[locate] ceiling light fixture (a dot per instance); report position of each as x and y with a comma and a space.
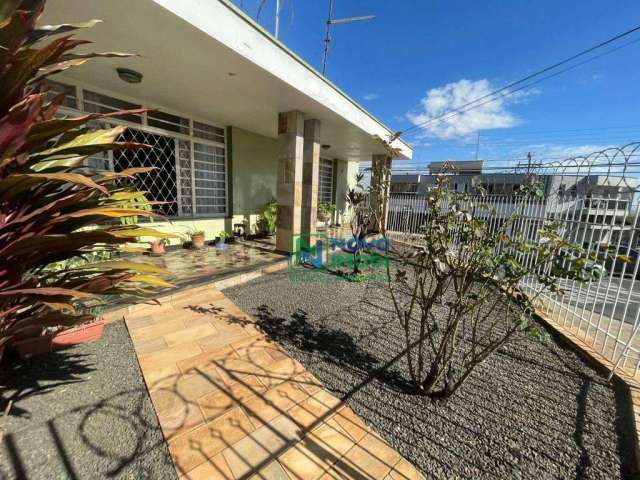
129, 76
326, 146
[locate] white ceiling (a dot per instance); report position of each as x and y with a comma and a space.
188, 71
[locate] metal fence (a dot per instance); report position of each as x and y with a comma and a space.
595, 200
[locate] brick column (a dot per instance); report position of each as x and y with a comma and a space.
380, 186
289, 188
310, 168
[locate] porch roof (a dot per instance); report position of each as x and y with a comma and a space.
208, 59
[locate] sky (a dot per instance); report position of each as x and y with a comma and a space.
420, 58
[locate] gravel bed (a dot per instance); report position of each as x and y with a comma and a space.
533, 410
83, 413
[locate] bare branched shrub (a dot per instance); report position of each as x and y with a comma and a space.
455, 291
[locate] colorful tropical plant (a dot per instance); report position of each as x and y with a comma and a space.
53, 209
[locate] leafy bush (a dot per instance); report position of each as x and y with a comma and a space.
325, 210
456, 292
269, 217
53, 210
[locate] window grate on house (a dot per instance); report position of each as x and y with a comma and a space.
69, 91
325, 181
160, 184
210, 178
190, 175
186, 192
208, 132
98, 103
166, 121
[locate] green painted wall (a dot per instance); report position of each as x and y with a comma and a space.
255, 161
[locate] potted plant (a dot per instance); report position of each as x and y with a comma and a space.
325, 211
269, 217
220, 239
158, 246
53, 340
197, 239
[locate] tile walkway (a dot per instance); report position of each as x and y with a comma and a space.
233, 404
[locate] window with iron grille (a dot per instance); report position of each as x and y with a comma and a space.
190, 176
69, 91
210, 178
98, 103
166, 121
208, 132
160, 184
325, 181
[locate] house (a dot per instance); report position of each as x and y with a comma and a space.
238, 119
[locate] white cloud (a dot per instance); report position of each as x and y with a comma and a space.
490, 115
371, 96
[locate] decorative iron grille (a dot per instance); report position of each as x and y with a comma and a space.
159, 184
325, 181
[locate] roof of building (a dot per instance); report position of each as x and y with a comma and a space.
208, 59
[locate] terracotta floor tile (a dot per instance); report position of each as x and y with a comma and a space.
215, 468
403, 470
151, 345
306, 460
218, 403
273, 471
327, 399
232, 369
180, 418
158, 329
206, 359
310, 383
252, 452
192, 448
379, 449
190, 334
281, 371
168, 356
139, 321
220, 340
358, 463
158, 376
351, 423
247, 345
201, 382
164, 399
332, 437
265, 407
309, 413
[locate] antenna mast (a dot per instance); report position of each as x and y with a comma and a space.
330, 22
277, 18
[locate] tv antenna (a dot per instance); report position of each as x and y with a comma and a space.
331, 21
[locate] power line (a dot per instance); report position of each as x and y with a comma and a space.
529, 77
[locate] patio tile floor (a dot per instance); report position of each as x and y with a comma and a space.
232, 404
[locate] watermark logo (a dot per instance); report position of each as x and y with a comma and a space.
319, 259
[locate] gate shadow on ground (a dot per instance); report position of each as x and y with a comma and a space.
335, 343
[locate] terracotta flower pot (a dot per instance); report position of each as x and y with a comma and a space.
197, 241
57, 341
157, 248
